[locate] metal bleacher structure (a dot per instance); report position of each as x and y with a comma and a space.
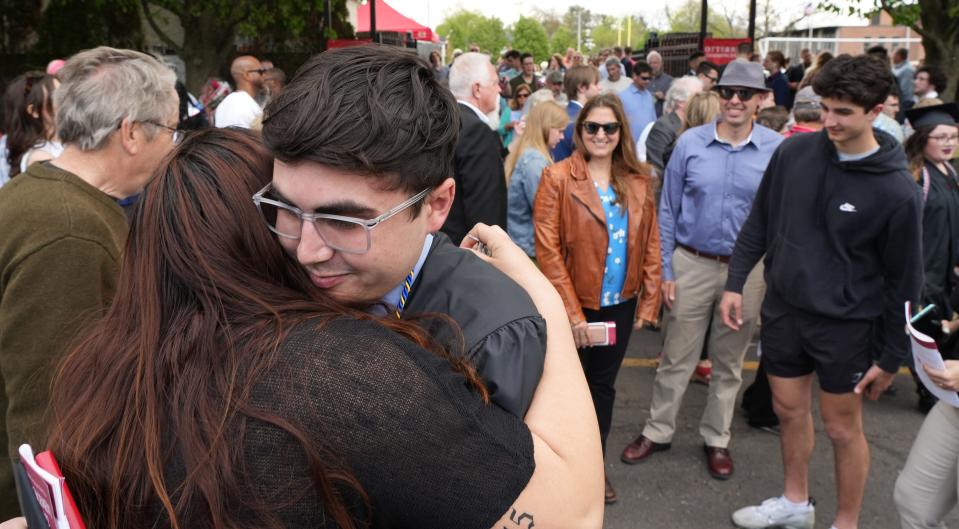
675, 49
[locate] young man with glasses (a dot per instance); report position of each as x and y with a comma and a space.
240, 109
708, 189
638, 101
364, 140
528, 75
838, 218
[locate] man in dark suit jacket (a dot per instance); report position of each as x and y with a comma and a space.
478, 161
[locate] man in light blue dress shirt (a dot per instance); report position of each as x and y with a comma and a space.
708, 190
638, 101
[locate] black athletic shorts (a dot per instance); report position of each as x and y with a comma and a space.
795, 343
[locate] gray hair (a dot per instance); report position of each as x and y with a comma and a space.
469, 68
613, 61
807, 114
103, 86
653, 53
681, 90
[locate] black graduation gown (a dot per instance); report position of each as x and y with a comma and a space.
940, 239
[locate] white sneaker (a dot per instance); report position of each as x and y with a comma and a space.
775, 512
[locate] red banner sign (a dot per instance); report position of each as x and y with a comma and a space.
721, 51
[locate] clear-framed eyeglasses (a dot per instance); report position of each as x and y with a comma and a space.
341, 233
176, 134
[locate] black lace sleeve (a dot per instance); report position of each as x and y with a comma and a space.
425, 448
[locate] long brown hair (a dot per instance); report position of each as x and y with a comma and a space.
625, 163
205, 298
28, 111
915, 146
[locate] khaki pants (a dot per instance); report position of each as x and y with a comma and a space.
926, 489
699, 288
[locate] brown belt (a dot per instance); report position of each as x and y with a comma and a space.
721, 258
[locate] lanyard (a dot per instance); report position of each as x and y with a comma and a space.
404, 294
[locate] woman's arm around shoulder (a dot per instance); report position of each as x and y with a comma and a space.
565, 490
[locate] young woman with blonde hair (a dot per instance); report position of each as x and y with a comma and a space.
544, 129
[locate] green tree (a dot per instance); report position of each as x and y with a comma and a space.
18, 19
685, 19
937, 21
529, 35
463, 27
547, 18
562, 39
608, 31
68, 26
210, 28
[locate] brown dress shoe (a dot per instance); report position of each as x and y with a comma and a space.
611, 496
718, 462
640, 449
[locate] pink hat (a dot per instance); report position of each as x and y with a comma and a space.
54, 66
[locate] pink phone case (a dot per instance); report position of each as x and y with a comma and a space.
602, 333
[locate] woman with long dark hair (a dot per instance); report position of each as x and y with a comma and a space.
30, 127
597, 241
223, 390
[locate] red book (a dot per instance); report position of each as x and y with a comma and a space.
46, 461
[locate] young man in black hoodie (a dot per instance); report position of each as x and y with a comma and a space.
838, 218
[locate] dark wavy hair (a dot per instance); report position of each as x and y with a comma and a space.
370, 110
914, 146
625, 163
862, 80
30, 93
205, 298
937, 77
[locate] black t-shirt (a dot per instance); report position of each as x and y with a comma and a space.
424, 447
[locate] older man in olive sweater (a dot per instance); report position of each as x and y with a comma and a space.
64, 230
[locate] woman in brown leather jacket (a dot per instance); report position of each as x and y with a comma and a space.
597, 241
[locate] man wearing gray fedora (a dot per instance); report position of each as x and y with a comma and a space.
708, 190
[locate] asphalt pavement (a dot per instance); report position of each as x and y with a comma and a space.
672, 490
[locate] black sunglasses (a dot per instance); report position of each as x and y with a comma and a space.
609, 128
744, 94
645, 77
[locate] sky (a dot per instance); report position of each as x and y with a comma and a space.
432, 12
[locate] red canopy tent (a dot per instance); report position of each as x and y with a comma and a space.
389, 19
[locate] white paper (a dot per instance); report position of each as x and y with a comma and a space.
55, 482
925, 352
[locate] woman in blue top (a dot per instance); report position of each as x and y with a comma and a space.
512, 113
524, 165
597, 240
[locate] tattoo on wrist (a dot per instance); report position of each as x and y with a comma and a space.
521, 520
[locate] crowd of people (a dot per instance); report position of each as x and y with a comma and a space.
397, 292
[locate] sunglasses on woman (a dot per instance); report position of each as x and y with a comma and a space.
592, 127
